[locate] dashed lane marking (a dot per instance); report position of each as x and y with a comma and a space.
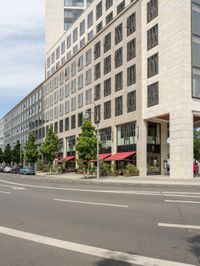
4, 192
90, 250
183, 226
183, 201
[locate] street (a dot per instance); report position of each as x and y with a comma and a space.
47, 223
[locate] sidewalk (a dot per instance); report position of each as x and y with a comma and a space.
151, 180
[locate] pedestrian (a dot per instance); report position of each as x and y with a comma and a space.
195, 168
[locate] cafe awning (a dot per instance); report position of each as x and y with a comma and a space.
120, 156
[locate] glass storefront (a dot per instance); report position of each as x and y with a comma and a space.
153, 149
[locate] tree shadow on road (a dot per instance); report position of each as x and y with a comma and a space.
195, 246
110, 262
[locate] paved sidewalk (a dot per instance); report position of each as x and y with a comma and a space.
157, 180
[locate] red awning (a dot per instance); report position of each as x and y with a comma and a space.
102, 156
69, 158
120, 156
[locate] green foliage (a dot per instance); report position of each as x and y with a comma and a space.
7, 156
1, 156
197, 145
131, 169
50, 146
87, 142
40, 165
16, 153
30, 150
105, 168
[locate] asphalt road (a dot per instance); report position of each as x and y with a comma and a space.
48, 223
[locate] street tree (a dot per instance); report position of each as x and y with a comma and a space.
7, 155
30, 150
16, 153
50, 146
197, 145
87, 143
1, 155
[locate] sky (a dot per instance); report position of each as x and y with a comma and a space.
21, 50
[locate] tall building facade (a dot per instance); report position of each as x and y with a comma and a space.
133, 66
60, 15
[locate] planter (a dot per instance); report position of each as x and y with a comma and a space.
131, 174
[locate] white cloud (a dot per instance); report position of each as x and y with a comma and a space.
22, 49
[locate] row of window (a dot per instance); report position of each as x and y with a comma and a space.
130, 104
131, 26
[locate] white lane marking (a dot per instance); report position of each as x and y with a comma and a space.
92, 203
4, 192
179, 192
18, 188
129, 192
89, 250
181, 196
183, 201
184, 226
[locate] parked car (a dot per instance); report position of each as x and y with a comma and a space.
27, 170
7, 169
15, 169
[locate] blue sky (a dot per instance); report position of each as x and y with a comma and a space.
22, 50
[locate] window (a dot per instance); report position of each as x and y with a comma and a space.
153, 94
107, 87
118, 34
152, 65
98, 10
90, 19
107, 64
131, 50
80, 63
67, 107
82, 42
107, 42
73, 69
56, 127
82, 27
66, 73
152, 37
67, 90
80, 100
196, 83
126, 136
53, 57
69, 41
73, 121
88, 57
118, 57
80, 119
67, 124
196, 51
131, 77
119, 81
73, 104
88, 96
57, 52
97, 114
97, 92
97, 71
152, 10
196, 19
97, 50
75, 35
63, 47
130, 24
109, 3
73, 86
118, 106
109, 17
99, 27
61, 126
90, 35
131, 101
107, 110
75, 48
121, 7
80, 82
88, 76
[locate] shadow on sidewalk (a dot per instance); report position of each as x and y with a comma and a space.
110, 262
